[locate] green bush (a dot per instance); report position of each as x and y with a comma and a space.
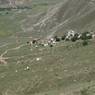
83, 92
63, 37
86, 35
57, 39
85, 43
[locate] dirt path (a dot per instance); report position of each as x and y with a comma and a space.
3, 59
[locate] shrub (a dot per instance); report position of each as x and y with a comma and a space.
57, 39
89, 37
83, 37
51, 45
34, 41
86, 35
84, 92
85, 43
63, 37
73, 39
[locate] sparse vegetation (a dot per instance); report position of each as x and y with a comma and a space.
57, 39
84, 91
59, 67
85, 43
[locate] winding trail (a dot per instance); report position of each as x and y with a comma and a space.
3, 59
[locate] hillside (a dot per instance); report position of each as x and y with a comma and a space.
67, 68
77, 15
57, 18
48, 18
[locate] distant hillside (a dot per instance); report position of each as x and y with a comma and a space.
14, 3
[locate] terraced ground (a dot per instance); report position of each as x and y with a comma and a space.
68, 68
